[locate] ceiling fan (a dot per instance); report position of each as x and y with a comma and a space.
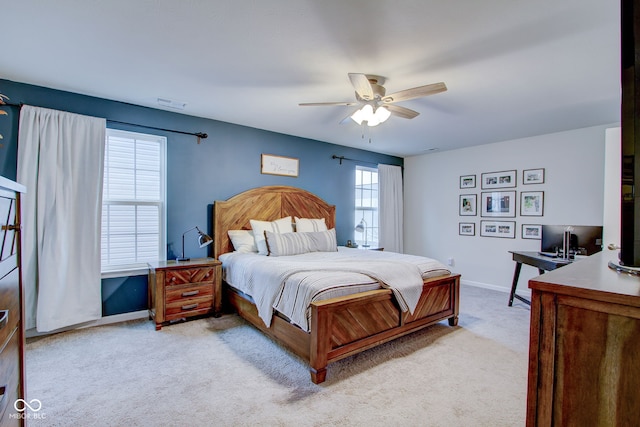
376, 106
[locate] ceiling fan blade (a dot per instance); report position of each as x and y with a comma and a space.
324, 104
403, 112
415, 92
362, 85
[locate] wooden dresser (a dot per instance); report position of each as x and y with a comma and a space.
12, 338
584, 352
181, 289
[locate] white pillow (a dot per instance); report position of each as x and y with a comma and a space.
310, 224
242, 241
301, 243
282, 225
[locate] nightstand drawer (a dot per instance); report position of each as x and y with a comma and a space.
188, 275
188, 307
185, 292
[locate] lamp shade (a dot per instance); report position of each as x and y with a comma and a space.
204, 239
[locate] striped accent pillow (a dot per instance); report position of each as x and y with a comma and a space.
310, 224
301, 243
282, 225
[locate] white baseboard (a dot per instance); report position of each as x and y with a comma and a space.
107, 320
522, 292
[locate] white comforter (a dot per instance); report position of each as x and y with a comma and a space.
290, 283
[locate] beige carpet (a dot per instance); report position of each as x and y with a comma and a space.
224, 372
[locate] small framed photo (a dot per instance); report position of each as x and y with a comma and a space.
531, 231
468, 181
531, 203
467, 229
468, 205
503, 179
504, 229
499, 204
533, 176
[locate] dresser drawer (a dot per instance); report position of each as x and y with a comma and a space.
7, 221
186, 292
189, 275
9, 303
9, 377
188, 307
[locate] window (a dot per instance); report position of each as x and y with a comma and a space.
133, 200
367, 205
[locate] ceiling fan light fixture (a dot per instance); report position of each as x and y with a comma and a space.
382, 114
373, 118
358, 116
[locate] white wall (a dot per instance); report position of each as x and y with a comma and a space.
573, 195
612, 171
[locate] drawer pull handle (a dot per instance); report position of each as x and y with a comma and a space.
189, 306
4, 316
190, 293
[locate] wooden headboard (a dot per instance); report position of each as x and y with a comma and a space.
266, 204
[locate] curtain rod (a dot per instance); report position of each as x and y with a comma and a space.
199, 135
341, 158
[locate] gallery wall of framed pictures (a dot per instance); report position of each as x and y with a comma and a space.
498, 203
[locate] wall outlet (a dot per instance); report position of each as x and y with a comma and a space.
451, 261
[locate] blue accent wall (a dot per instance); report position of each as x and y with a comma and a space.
224, 164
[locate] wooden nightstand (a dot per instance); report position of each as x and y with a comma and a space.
181, 289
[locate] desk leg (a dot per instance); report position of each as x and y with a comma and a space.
516, 276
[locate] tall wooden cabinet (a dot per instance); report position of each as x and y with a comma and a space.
584, 351
12, 368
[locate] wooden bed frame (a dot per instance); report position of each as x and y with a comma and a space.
340, 327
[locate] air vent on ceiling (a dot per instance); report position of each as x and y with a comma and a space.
171, 104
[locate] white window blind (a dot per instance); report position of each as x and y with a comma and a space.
367, 205
133, 200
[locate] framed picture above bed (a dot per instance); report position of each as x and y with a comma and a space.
504, 229
504, 179
498, 204
278, 165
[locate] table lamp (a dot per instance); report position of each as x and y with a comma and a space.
203, 240
362, 228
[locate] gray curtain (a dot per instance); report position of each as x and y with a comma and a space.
390, 208
61, 162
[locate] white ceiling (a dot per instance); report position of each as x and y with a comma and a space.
514, 68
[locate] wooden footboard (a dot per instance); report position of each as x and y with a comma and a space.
341, 327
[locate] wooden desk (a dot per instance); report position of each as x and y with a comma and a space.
534, 259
